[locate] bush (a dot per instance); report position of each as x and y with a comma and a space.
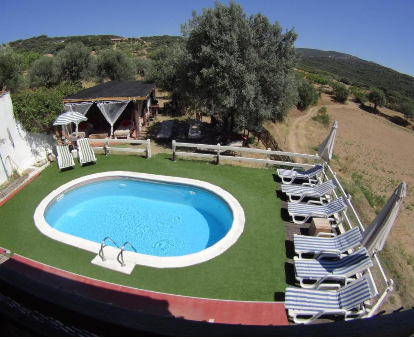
322, 110
37, 109
43, 72
341, 92
322, 118
307, 94
359, 95
407, 109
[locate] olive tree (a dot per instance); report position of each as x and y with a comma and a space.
115, 65
11, 69
341, 92
240, 67
43, 72
377, 97
74, 62
307, 94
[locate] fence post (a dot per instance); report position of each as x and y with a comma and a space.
106, 145
268, 157
148, 148
218, 154
173, 150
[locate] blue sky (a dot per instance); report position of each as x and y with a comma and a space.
376, 30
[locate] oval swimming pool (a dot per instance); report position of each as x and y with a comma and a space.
170, 221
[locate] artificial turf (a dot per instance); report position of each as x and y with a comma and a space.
251, 270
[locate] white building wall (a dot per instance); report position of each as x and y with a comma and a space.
18, 148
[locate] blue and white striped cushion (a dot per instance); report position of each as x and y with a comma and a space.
326, 210
86, 154
345, 298
301, 174
342, 243
348, 266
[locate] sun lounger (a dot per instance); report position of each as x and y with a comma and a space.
307, 305
194, 132
288, 176
307, 211
297, 193
64, 157
86, 154
320, 274
321, 247
166, 129
124, 129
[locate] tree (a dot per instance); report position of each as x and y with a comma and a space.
74, 62
142, 65
240, 67
43, 72
341, 92
11, 69
115, 65
307, 94
377, 97
37, 109
407, 109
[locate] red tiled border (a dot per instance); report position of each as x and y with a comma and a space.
14, 192
197, 309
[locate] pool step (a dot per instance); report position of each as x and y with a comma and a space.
111, 255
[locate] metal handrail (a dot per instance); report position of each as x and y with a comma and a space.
101, 253
121, 253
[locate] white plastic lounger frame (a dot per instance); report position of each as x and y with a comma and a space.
311, 304
307, 211
64, 157
86, 154
288, 176
338, 272
297, 193
321, 247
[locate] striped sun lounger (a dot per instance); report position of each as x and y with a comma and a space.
317, 272
86, 154
307, 211
327, 247
288, 176
311, 304
297, 193
64, 157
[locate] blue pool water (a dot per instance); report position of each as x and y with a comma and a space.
156, 218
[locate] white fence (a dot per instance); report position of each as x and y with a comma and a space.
217, 154
106, 148
351, 217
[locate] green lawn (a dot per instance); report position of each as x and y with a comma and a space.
251, 270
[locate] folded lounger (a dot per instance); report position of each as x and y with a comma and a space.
297, 193
124, 129
311, 304
307, 211
317, 272
327, 247
288, 176
166, 129
86, 154
64, 157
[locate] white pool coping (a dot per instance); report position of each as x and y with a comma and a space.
141, 259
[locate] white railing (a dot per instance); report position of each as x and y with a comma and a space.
219, 149
328, 173
106, 148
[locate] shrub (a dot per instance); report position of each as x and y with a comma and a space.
341, 92
322, 110
43, 72
407, 109
322, 118
307, 94
11, 69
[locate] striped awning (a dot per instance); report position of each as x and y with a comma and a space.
69, 117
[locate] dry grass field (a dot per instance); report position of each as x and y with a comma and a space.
371, 156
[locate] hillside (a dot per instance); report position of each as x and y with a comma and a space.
356, 71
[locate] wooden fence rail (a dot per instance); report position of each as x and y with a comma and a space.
107, 145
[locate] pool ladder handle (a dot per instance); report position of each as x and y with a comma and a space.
101, 252
121, 253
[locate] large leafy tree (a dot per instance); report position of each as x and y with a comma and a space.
74, 62
11, 69
115, 65
240, 67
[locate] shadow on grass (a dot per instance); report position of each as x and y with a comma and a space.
290, 273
